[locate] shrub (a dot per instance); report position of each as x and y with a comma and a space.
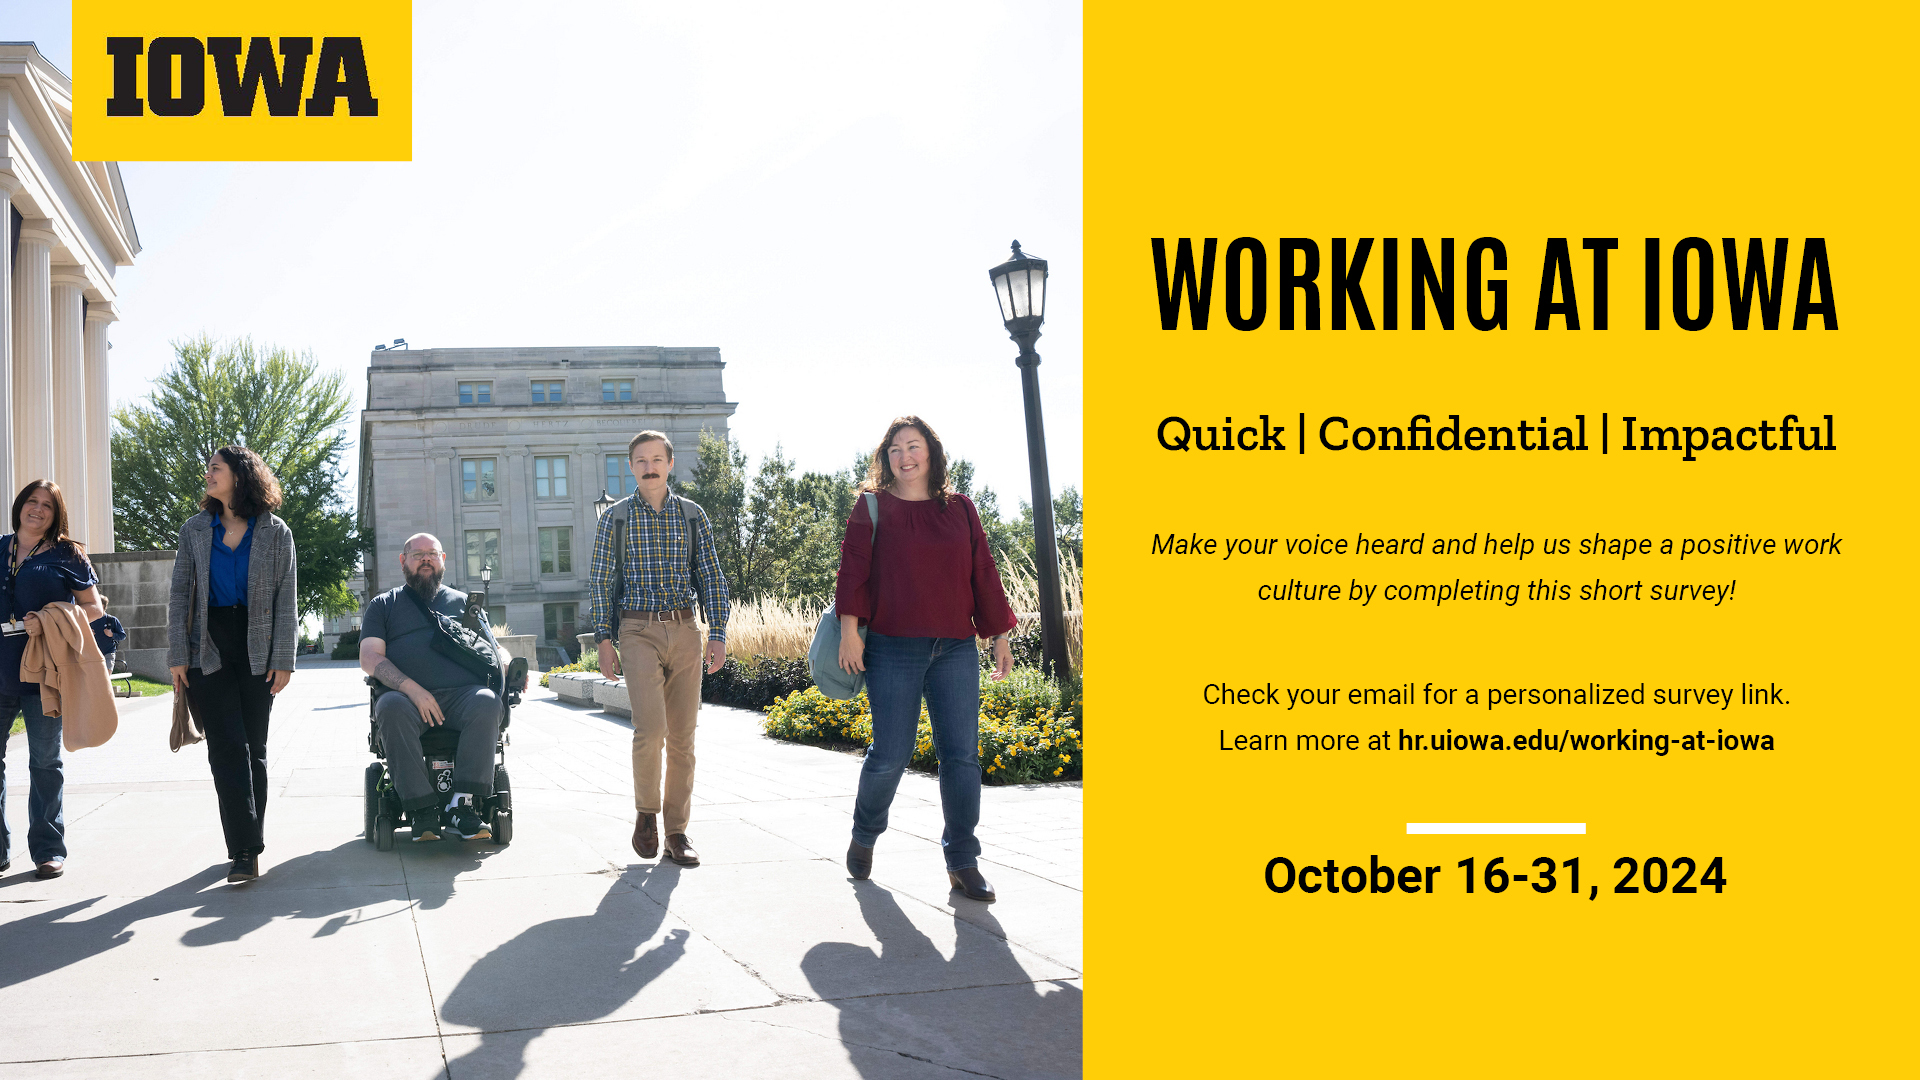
756, 682
1025, 732
349, 646
589, 661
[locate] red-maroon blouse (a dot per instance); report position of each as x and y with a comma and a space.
930, 574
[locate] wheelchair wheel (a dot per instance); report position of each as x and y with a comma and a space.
383, 833
502, 793
503, 828
374, 773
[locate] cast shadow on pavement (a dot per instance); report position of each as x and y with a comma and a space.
50, 940
1001, 1017
565, 971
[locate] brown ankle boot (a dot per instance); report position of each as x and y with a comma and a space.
646, 836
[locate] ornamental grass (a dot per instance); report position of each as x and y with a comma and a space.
1026, 734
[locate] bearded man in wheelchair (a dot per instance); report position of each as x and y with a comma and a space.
427, 681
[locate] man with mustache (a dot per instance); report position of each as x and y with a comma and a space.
396, 647
643, 595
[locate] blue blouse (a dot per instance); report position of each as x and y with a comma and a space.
227, 570
51, 576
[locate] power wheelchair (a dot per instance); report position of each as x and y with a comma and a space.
383, 811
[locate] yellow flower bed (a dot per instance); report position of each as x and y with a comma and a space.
1024, 735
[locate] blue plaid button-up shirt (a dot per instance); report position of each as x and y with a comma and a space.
668, 558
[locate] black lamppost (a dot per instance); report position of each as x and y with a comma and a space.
1020, 283
603, 504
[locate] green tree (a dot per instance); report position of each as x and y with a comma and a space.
267, 398
1003, 537
719, 484
1067, 529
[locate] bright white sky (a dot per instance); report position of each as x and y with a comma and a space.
817, 193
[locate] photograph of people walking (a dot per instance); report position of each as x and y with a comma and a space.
391, 506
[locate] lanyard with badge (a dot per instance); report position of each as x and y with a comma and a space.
13, 627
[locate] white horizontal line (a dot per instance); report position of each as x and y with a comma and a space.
1496, 828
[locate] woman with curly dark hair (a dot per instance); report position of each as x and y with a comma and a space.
924, 585
231, 630
43, 566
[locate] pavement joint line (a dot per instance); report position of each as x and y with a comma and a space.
870, 1046
426, 973
103, 805
216, 1050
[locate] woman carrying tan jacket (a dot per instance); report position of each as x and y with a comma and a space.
43, 566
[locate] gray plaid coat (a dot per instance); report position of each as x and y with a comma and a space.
272, 621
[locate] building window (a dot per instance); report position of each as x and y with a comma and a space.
620, 476
561, 619
550, 477
548, 393
476, 393
616, 390
556, 550
497, 619
476, 480
483, 550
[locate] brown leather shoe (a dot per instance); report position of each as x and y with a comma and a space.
52, 868
646, 836
681, 851
970, 882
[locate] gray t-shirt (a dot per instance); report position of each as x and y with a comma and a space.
396, 620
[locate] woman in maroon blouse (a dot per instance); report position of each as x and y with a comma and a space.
924, 589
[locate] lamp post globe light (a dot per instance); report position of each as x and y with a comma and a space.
1020, 284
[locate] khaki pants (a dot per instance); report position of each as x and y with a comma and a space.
661, 662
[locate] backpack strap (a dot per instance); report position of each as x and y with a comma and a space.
873, 518
622, 508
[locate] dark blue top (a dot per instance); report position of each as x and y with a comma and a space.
47, 578
227, 570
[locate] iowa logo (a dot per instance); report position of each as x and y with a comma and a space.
176, 76
233, 80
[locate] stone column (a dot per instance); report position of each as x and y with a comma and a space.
33, 354
99, 430
8, 185
70, 398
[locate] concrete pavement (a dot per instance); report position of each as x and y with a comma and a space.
561, 954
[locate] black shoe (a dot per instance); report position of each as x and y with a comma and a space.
464, 822
859, 860
245, 868
426, 825
970, 882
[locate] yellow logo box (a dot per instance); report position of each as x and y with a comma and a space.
216, 80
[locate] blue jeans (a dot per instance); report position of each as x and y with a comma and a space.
46, 814
947, 671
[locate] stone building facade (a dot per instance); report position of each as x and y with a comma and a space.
503, 453
67, 231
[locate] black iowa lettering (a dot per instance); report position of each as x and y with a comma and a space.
176, 82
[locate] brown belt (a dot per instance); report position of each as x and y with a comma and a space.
657, 616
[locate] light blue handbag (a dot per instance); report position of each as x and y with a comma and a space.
823, 656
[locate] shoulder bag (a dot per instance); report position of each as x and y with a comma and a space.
823, 656
465, 647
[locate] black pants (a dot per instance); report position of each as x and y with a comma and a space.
234, 704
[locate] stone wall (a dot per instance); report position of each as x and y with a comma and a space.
136, 585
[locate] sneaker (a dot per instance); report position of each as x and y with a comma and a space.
464, 822
245, 868
426, 825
